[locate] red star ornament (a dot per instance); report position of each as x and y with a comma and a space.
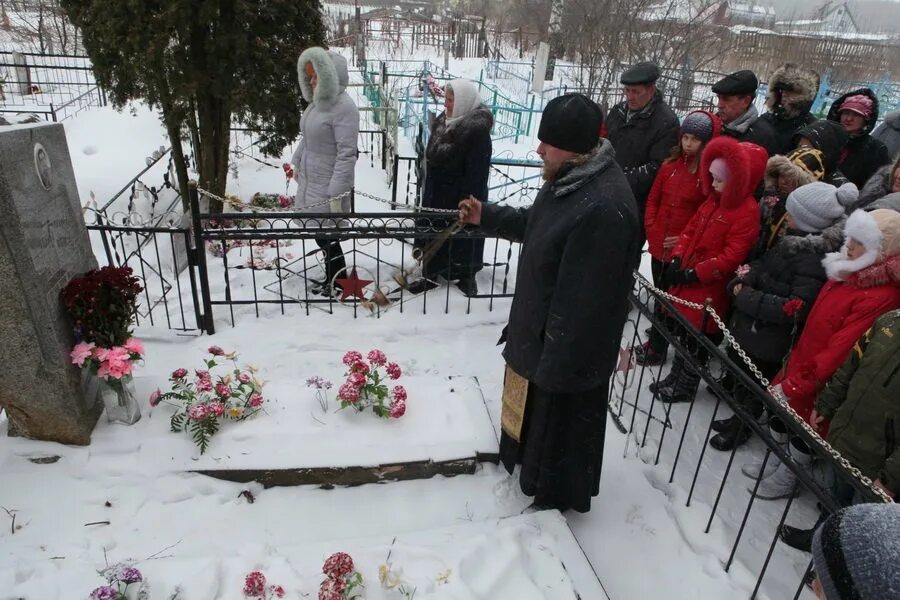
352, 286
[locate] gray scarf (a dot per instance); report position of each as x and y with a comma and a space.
743, 122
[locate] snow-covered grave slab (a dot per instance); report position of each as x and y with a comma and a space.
446, 430
530, 557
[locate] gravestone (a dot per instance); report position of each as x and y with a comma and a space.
43, 245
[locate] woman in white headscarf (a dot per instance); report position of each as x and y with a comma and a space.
458, 160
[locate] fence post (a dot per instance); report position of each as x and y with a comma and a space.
199, 253
396, 168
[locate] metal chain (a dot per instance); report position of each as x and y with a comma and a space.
774, 391
238, 204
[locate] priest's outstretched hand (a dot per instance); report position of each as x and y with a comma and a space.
470, 211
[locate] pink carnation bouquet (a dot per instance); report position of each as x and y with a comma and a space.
206, 398
367, 385
109, 364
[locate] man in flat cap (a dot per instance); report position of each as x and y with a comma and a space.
642, 129
580, 247
740, 119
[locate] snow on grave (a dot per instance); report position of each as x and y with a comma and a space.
446, 430
530, 557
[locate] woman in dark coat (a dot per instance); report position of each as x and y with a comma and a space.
773, 298
857, 112
458, 161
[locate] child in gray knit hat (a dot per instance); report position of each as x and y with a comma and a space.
855, 554
816, 206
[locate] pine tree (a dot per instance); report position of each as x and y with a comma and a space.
204, 64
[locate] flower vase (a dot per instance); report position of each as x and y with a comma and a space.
120, 400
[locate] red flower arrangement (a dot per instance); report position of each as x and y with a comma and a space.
101, 304
792, 307
255, 587
365, 386
342, 580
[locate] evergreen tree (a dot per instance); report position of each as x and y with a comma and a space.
204, 64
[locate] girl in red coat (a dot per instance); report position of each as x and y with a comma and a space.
674, 198
863, 283
715, 242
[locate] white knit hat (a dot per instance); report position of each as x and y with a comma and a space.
816, 206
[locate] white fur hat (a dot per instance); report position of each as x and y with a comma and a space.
878, 231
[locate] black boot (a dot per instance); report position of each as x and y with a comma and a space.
800, 539
670, 396
730, 438
468, 286
422, 285
724, 424
664, 385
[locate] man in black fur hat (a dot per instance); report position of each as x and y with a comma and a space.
580, 247
792, 90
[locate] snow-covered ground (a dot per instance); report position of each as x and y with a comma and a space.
119, 499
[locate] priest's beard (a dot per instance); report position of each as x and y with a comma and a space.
550, 171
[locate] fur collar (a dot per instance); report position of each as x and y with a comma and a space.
584, 168
447, 143
331, 71
829, 240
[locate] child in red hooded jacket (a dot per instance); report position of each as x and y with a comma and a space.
863, 283
715, 242
674, 198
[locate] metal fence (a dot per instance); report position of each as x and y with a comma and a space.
53, 86
265, 258
674, 438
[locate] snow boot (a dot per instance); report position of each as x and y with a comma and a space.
799, 539
420, 286
724, 424
468, 286
730, 438
783, 482
752, 469
647, 356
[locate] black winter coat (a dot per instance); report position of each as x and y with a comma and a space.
863, 157
642, 143
760, 132
458, 160
785, 128
863, 154
791, 269
580, 247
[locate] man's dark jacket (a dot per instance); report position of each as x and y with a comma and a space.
642, 143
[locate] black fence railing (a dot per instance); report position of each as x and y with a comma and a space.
676, 437
264, 258
158, 256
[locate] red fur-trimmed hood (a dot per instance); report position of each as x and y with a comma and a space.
746, 168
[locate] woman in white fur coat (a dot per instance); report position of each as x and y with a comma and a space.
325, 161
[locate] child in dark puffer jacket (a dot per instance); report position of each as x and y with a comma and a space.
772, 298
